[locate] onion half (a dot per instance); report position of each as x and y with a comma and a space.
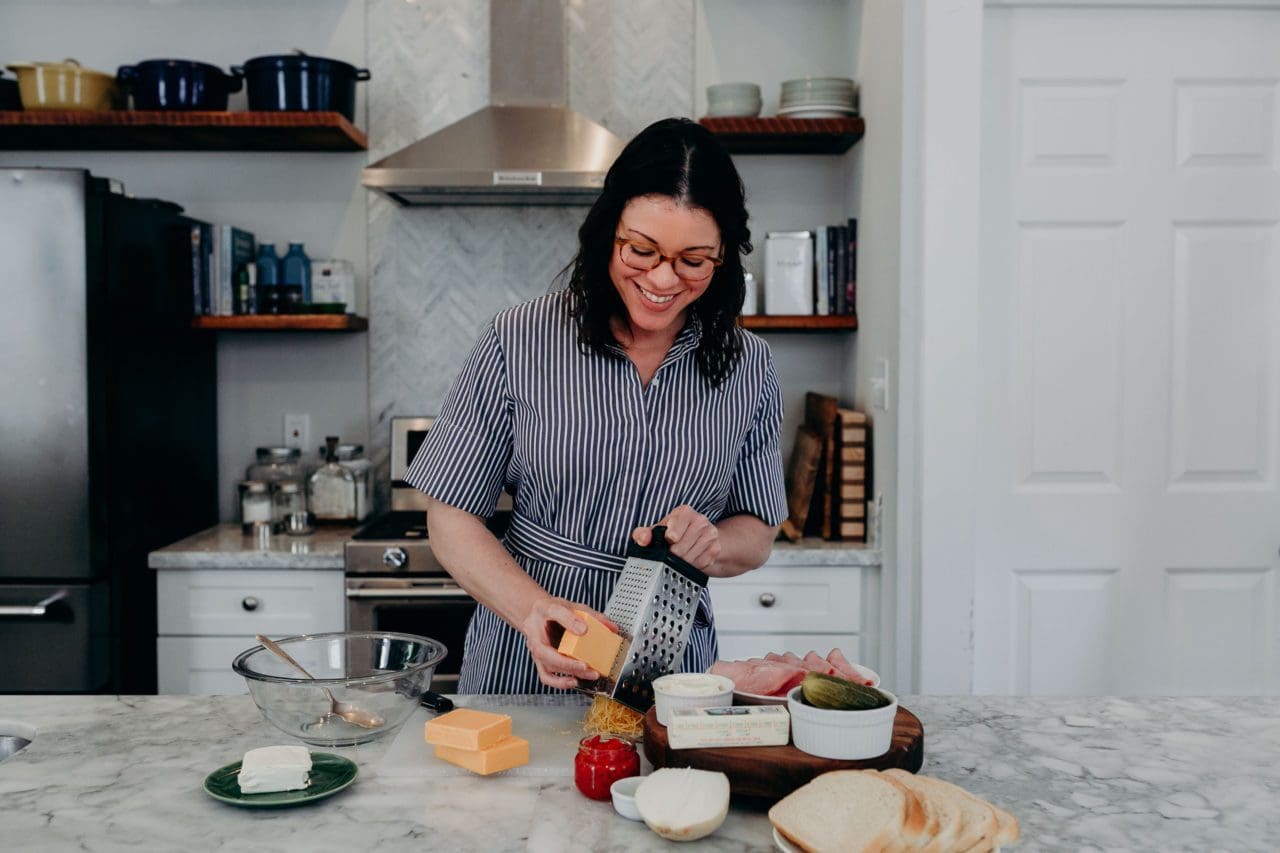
682, 804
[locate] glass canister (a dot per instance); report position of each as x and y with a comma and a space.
276, 465
351, 457
331, 490
289, 509
255, 504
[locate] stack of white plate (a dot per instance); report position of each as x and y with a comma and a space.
733, 99
818, 97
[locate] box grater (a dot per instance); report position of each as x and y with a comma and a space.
653, 606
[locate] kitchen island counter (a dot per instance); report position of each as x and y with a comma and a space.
125, 773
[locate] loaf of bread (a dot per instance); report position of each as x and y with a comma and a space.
867, 810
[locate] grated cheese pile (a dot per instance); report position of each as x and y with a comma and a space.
605, 716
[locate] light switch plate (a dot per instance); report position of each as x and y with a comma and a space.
297, 431
880, 385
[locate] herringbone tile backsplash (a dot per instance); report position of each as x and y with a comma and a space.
439, 274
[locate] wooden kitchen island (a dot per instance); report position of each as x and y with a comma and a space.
124, 773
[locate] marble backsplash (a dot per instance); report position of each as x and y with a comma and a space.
438, 274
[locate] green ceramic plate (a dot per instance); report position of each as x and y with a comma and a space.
329, 775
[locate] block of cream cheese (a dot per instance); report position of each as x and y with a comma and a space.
503, 755
597, 648
737, 725
467, 728
275, 768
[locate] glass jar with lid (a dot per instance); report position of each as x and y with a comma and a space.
277, 464
351, 457
331, 490
289, 509
255, 504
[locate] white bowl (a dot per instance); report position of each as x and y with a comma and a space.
846, 735
749, 91
741, 698
623, 793
676, 691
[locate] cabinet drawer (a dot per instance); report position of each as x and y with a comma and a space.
821, 599
200, 666
743, 646
218, 602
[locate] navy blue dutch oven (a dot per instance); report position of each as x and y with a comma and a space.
300, 82
9, 98
177, 84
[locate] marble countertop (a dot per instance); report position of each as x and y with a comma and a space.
124, 773
226, 547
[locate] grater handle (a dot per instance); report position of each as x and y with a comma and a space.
659, 550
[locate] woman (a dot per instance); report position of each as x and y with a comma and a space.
629, 399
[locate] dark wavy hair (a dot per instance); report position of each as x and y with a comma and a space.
681, 159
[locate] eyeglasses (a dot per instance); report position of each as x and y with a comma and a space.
645, 256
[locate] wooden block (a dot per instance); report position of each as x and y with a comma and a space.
853, 473
853, 530
853, 510
851, 416
853, 491
802, 473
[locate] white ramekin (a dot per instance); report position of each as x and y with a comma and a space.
667, 701
841, 734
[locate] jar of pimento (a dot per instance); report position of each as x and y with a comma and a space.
601, 761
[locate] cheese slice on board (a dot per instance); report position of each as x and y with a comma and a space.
507, 753
597, 648
467, 728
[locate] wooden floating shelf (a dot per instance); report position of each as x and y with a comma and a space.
800, 323
776, 135
163, 130
283, 323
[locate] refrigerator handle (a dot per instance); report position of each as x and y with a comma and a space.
34, 611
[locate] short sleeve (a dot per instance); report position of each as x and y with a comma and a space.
757, 487
463, 458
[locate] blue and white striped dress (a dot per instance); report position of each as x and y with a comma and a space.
592, 454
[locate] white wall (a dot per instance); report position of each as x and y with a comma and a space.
312, 197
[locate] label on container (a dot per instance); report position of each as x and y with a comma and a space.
737, 725
517, 179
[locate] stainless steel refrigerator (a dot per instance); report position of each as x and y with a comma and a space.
108, 441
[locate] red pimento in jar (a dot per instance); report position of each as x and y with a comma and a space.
601, 761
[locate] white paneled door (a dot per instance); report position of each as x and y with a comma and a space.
1127, 500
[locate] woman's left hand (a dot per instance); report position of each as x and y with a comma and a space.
692, 537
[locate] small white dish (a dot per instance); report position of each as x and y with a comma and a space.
741, 698
848, 735
623, 793
816, 112
690, 690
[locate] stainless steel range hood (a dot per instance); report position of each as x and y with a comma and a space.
527, 147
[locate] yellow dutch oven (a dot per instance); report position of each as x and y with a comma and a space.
63, 86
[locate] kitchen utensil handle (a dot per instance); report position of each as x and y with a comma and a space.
285, 656
658, 537
362, 74
436, 702
33, 611
429, 592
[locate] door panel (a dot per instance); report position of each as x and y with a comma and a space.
1127, 503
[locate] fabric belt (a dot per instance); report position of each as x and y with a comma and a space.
527, 538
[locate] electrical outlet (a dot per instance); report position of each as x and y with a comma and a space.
297, 431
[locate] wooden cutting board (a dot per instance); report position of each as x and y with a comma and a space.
772, 772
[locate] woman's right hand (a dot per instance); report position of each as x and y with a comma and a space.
542, 628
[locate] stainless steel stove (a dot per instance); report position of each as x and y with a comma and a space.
394, 582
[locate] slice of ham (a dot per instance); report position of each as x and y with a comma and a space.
775, 674
758, 676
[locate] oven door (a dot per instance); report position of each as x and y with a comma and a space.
430, 607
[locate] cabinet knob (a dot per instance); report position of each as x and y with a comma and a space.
768, 599
250, 603
395, 558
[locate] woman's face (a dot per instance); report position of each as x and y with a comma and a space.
657, 300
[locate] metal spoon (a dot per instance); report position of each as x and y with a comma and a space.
353, 714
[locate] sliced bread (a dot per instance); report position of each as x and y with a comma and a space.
978, 818
847, 810
947, 814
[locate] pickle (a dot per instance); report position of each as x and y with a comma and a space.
839, 694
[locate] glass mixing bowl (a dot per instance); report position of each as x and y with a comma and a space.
375, 671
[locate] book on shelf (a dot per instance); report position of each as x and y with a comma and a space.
851, 277
232, 247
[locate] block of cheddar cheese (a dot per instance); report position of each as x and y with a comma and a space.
597, 648
507, 753
467, 728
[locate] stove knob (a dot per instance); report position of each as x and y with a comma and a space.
395, 557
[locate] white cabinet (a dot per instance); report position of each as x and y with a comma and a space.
797, 608
205, 617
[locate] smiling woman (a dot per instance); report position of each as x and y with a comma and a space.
629, 400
